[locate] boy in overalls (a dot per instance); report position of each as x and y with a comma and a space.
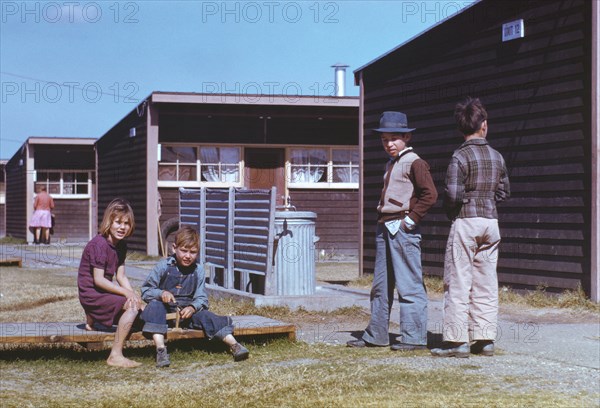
177, 284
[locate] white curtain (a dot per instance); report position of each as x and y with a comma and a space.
230, 159
210, 172
348, 159
308, 166
227, 157
345, 175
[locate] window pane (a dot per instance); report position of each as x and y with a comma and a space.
345, 174
82, 188
230, 173
345, 165
308, 165
168, 154
55, 177
68, 188
187, 173
181, 154
209, 155
230, 155
53, 188
82, 177
185, 154
345, 156
210, 172
308, 156
42, 176
220, 164
168, 173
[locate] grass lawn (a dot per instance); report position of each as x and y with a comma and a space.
279, 373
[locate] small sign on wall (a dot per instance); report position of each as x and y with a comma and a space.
513, 30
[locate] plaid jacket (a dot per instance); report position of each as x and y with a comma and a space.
476, 180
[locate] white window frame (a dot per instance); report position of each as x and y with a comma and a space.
329, 184
198, 182
62, 183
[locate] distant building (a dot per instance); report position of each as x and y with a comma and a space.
541, 91
66, 166
305, 146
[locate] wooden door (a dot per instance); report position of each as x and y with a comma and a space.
265, 169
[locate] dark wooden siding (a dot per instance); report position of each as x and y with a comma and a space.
337, 218
170, 212
2, 206
537, 92
72, 220
122, 172
259, 124
16, 197
2, 220
170, 203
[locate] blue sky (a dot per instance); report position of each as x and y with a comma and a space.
75, 68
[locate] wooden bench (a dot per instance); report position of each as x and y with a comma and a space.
68, 332
11, 261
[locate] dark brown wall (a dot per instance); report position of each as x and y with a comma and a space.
537, 93
337, 223
249, 124
72, 219
170, 203
64, 157
2, 206
2, 220
16, 205
122, 172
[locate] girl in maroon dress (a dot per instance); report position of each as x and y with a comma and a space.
105, 302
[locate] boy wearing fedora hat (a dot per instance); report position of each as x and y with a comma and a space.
408, 193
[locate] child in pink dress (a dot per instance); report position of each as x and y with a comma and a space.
105, 302
42, 216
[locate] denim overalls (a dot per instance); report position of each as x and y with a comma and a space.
183, 287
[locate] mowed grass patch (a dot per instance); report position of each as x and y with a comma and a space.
278, 373
30, 295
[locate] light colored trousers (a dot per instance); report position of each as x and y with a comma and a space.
471, 281
398, 266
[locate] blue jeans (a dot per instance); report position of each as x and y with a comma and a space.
155, 321
398, 265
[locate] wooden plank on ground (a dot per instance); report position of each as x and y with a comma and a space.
71, 332
11, 261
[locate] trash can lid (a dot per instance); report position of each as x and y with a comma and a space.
295, 215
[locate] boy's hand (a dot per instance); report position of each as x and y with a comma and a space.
167, 297
187, 312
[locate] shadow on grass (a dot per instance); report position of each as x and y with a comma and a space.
75, 352
433, 339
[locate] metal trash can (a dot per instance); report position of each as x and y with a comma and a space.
295, 252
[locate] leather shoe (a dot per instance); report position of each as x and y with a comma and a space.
460, 350
483, 347
360, 343
407, 347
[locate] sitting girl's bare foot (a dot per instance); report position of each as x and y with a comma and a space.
120, 361
89, 323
